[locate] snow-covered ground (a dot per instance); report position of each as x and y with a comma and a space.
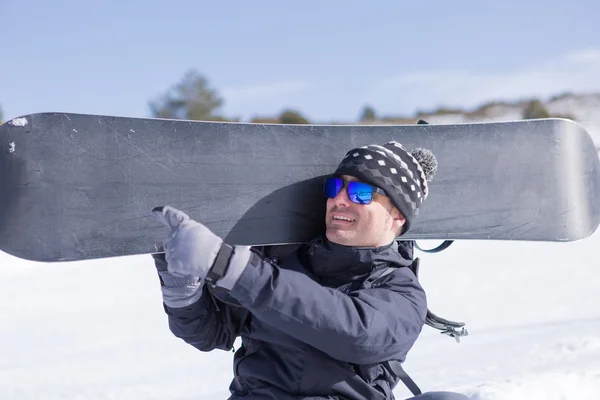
96, 330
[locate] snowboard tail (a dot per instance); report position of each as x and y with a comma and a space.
77, 186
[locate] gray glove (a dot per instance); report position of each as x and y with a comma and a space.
191, 249
177, 291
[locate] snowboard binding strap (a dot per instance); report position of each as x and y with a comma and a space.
441, 247
449, 328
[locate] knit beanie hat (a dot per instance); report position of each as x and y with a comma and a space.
401, 174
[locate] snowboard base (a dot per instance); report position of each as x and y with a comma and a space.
76, 186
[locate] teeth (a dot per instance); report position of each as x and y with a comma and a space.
343, 218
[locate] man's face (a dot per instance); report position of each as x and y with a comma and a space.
370, 225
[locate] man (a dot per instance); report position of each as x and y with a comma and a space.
333, 320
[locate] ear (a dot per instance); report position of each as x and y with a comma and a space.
398, 220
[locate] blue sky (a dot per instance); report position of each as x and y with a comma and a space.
324, 58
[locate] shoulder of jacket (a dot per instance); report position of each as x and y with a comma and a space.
394, 276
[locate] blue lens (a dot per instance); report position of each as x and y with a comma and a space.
332, 186
360, 192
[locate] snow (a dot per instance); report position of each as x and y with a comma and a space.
18, 122
96, 329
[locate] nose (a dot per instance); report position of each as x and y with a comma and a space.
341, 199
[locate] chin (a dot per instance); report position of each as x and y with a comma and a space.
346, 238
338, 238
342, 239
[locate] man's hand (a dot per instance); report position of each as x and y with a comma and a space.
190, 252
177, 291
190, 247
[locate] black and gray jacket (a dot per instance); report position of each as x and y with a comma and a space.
325, 323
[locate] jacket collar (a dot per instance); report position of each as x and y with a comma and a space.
336, 264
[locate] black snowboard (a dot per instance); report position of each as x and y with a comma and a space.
75, 187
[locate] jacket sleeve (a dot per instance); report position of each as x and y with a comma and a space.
208, 323
361, 327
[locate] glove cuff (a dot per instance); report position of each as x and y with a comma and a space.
228, 266
179, 291
220, 264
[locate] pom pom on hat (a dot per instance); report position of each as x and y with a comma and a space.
427, 160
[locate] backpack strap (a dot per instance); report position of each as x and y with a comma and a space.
396, 368
376, 275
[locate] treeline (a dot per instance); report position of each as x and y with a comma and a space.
530, 109
193, 98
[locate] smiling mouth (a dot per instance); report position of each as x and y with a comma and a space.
342, 218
